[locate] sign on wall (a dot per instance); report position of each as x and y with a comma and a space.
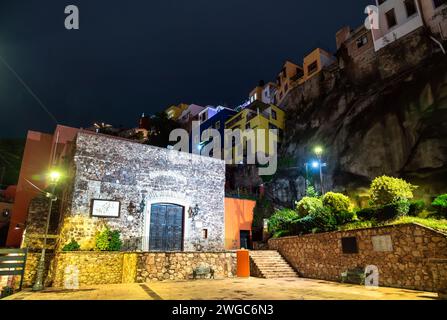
105, 208
382, 243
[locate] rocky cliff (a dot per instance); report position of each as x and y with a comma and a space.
390, 121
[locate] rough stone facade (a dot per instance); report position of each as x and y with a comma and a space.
108, 168
414, 261
121, 267
180, 266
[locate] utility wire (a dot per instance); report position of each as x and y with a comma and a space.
28, 89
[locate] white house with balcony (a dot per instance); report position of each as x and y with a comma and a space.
397, 18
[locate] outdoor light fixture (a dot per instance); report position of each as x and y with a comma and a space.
19, 226
193, 212
315, 164
54, 176
318, 151
6, 213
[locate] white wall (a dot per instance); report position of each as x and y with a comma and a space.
405, 24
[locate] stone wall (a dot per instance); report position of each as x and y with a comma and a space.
109, 168
179, 266
408, 263
121, 267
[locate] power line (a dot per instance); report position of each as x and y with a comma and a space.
41, 104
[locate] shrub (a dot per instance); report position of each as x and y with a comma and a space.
392, 211
308, 205
366, 214
387, 190
336, 202
340, 206
416, 207
440, 204
108, 240
73, 245
321, 220
280, 220
311, 192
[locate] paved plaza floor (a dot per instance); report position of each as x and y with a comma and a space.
228, 289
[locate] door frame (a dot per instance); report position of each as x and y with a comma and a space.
147, 218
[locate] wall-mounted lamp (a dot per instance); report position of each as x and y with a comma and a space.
19, 226
193, 212
6, 213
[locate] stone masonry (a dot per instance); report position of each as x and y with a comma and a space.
414, 259
109, 168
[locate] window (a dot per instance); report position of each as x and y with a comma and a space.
274, 115
312, 68
381, 1
247, 126
349, 245
438, 3
410, 6
205, 233
362, 41
391, 18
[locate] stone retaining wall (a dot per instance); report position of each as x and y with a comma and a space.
409, 263
121, 267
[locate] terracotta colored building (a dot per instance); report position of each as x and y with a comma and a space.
238, 223
42, 151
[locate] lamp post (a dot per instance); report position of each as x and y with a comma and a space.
319, 152
54, 178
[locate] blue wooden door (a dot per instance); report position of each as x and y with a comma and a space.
166, 227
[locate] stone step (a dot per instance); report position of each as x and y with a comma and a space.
272, 265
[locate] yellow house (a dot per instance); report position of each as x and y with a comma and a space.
315, 62
174, 112
290, 73
258, 115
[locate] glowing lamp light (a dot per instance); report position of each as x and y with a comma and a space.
54, 176
315, 164
318, 151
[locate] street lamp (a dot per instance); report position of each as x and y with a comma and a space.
319, 152
53, 178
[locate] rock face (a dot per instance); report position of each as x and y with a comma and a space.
392, 121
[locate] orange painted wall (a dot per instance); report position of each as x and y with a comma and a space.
39, 150
238, 216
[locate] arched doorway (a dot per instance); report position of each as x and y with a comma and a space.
166, 227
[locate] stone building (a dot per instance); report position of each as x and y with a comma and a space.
165, 200
159, 199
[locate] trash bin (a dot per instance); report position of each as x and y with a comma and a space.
243, 264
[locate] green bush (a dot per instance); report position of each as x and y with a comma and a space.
366, 214
387, 190
392, 211
416, 207
280, 220
321, 220
108, 240
340, 206
311, 192
73, 245
440, 204
336, 202
308, 205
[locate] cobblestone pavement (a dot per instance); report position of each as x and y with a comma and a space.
228, 289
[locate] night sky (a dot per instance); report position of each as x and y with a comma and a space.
140, 56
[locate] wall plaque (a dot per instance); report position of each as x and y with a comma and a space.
382, 243
105, 208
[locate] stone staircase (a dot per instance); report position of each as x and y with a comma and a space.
270, 264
